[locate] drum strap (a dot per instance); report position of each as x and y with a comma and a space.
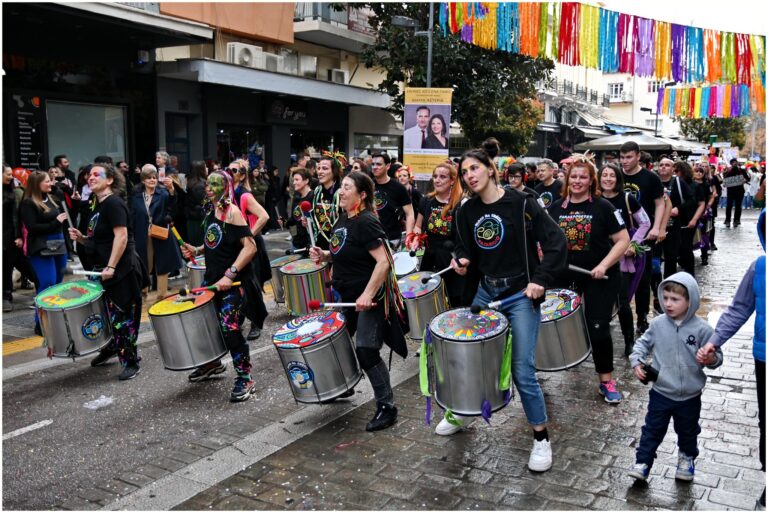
71, 353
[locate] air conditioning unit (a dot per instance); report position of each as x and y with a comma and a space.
271, 62
243, 54
337, 75
308, 66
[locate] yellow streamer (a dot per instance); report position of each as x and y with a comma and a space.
663, 50
727, 101
697, 102
589, 35
665, 102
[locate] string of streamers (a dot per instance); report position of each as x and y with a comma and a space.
722, 100
644, 54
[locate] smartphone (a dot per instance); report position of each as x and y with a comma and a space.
161, 174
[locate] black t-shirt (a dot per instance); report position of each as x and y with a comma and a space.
325, 212
438, 227
301, 239
587, 226
389, 200
492, 235
646, 188
550, 193
681, 197
107, 215
620, 202
416, 198
221, 245
351, 241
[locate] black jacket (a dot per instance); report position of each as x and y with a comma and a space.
39, 225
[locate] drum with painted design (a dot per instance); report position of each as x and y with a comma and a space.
467, 356
563, 337
74, 318
405, 264
277, 280
423, 301
303, 281
195, 273
187, 330
318, 356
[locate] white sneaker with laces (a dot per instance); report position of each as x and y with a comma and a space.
541, 456
445, 428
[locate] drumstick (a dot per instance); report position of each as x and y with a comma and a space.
435, 275
294, 251
306, 207
181, 243
184, 291
69, 220
581, 270
314, 304
85, 273
493, 305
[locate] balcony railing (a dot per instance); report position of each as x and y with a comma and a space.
569, 89
153, 7
351, 18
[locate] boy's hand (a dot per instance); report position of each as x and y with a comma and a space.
639, 372
706, 354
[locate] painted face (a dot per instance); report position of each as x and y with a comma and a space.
349, 197
579, 180
476, 174
378, 167
97, 180
325, 171
216, 186
441, 177
608, 179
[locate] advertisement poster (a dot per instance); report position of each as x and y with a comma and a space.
426, 122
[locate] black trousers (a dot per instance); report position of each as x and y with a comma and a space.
760, 379
735, 198
686, 250
643, 293
671, 250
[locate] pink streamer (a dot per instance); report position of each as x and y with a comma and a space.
644, 46
720, 100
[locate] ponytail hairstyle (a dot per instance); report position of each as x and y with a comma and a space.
457, 191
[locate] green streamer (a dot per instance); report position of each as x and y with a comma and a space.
505, 376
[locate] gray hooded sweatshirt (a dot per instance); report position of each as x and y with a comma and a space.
674, 347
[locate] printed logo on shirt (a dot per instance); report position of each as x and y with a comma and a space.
93, 223
213, 236
489, 231
546, 198
338, 239
578, 229
633, 190
297, 213
380, 199
437, 224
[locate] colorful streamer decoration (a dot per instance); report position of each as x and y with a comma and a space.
578, 34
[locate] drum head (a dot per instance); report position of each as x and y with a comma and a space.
303, 266
308, 330
68, 295
199, 266
404, 263
287, 259
461, 324
559, 303
411, 287
177, 303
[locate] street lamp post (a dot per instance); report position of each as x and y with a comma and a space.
656, 123
405, 21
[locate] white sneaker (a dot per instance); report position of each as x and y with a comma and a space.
541, 456
445, 428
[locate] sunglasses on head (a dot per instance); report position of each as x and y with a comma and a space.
233, 169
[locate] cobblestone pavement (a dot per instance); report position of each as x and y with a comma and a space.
340, 466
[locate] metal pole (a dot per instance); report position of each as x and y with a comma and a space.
656, 125
429, 44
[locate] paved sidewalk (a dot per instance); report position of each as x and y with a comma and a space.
340, 466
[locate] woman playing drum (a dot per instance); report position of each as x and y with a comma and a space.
325, 199
110, 246
362, 275
597, 238
228, 248
497, 234
435, 219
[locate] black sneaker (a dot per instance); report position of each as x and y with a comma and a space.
727, 224
628, 346
101, 358
761, 500
657, 306
129, 372
385, 416
242, 390
642, 326
206, 371
712, 247
254, 333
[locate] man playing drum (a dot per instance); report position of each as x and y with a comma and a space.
497, 234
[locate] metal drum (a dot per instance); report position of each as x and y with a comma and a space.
405, 264
468, 352
303, 281
195, 273
318, 356
563, 338
423, 301
187, 330
74, 318
277, 282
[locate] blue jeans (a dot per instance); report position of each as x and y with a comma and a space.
686, 421
524, 322
49, 271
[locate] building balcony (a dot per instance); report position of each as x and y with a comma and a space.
553, 89
320, 24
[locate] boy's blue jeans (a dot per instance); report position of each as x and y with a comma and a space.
524, 322
685, 415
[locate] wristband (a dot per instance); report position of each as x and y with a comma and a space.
109, 267
230, 275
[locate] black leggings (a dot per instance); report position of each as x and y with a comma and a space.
254, 308
625, 312
760, 378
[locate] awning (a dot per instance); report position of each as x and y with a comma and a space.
590, 119
614, 142
222, 73
592, 133
548, 127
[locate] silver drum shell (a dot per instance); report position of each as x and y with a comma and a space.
64, 325
277, 285
300, 289
467, 372
189, 339
563, 343
332, 364
195, 274
421, 310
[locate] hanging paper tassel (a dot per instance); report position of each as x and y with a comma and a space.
720, 100
743, 59
714, 63
727, 101
665, 105
627, 38
678, 49
660, 100
543, 29
443, 18
712, 97
676, 98
504, 27
644, 53
662, 50
728, 57
554, 29
697, 102
486, 411
515, 24
568, 45
609, 58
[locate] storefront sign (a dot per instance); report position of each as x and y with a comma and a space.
287, 113
426, 122
27, 118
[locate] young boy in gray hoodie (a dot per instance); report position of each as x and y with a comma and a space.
674, 338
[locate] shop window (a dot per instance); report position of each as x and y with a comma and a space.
83, 131
366, 144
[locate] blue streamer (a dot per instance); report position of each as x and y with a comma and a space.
515, 27
672, 100
443, 18
608, 59
428, 416
704, 110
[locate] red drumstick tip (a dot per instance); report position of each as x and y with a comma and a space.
306, 206
314, 304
